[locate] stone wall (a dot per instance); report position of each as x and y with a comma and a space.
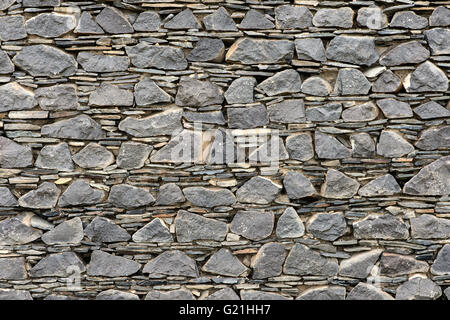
321, 168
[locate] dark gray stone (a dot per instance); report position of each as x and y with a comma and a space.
270, 151
44, 197
209, 197
298, 186
255, 51
81, 127
366, 291
361, 113
293, 17
147, 21
114, 21
372, 17
427, 226
112, 294
310, 49
385, 185
58, 97
12, 28
182, 148
222, 150
323, 293
132, 155
93, 156
127, 196
10, 294
408, 20
254, 20
427, 77
439, 40
208, 49
418, 288
268, 262
172, 263
16, 97
353, 49
13, 231
327, 112
303, 261
107, 265
183, 20
338, 186
287, 81
440, 17
341, 17
109, 95
241, 90
290, 225
316, 86
56, 157
248, 117
359, 265
169, 194
214, 117
196, 93
391, 144
41, 3
394, 109
300, 146
58, 265
287, 111
6, 65
431, 110
80, 193
154, 231
12, 269
441, 265
223, 294
253, 225
351, 81
190, 227
433, 179
327, 226
363, 145
7, 199
158, 124
385, 227
395, 265
5, 4
223, 262
50, 25
219, 20
94, 62
411, 52
328, 147
87, 25
106, 231
67, 232
258, 190
434, 138
145, 55
387, 82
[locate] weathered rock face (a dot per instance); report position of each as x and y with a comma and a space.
58, 97
249, 51
427, 226
382, 186
162, 123
425, 78
342, 17
181, 294
93, 62
323, 293
108, 265
81, 127
93, 156
432, 179
268, 262
209, 197
68, 232
57, 264
418, 288
380, 227
365, 291
391, 144
301, 260
14, 155
124, 195
297, 185
80, 193
339, 186
359, 265
44, 197
190, 226
155, 231
145, 55
253, 225
404, 53
109, 95
16, 97
223, 262
172, 263
327, 226
104, 230
50, 25
12, 28
356, 50
287, 81
290, 225
394, 265
55, 157
258, 190
13, 231
196, 93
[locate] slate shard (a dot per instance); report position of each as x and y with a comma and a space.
366, 291
427, 226
342, 17
154, 231
258, 190
190, 227
13, 231
16, 97
359, 265
67, 232
44, 197
253, 51
57, 265
219, 20
241, 90
303, 261
107, 265
385, 185
172, 263
87, 25
328, 147
109, 95
394, 265
360, 113
6, 65
112, 294
298, 186
223, 262
391, 144
93, 156
386, 227
169, 194
338, 186
427, 77
299, 146
181, 294
287, 81
80, 193
411, 52
132, 155
56, 157
14, 155
351, 82
57, 97
114, 21
7, 199
147, 21
144, 55
431, 110
440, 17
358, 50
208, 49
94, 62
12, 28
50, 25
323, 293
104, 230
81, 127
293, 17
127, 196
290, 225
209, 197
197, 93
158, 124
183, 20
327, 226
268, 262
408, 20
12, 269
434, 138
387, 82
363, 145
418, 288
254, 20
253, 225
441, 265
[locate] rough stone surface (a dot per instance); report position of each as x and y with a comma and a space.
113, 21
68, 232
434, 138
427, 226
287, 111
169, 194
241, 90
310, 49
14, 155
352, 49
418, 289
385, 185
328, 147
298, 186
303, 261
360, 113
181, 294
380, 227
290, 225
209, 197
253, 225
365, 291
81, 127
104, 230
223, 262
394, 265
155, 231
94, 62
7, 199
431, 110
124, 195
323, 293
12, 269
219, 20
300, 146
425, 78
109, 95
144, 55
404, 53
327, 226
161, 123
441, 266
394, 109
339, 186
432, 179
190, 226
55, 157
326, 112
391, 144
44, 197
254, 20
16, 97
252, 51
108, 265
351, 82
12, 28
80, 193
197, 93
342, 17
359, 265
172, 263
248, 117
207, 49
408, 20
50, 25
93, 156
258, 190
57, 265
112, 294
292, 17
268, 262
58, 97
13, 231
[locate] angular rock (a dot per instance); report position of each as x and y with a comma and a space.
67, 232
12, 28
316, 86
127, 196
300, 146
440, 17
360, 113
293, 17
287, 81
394, 109
253, 225
254, 20
272, 150
16, 97
113, 21
208, 49
113, 294
109, 95
261, 295
386, 227
363, 145
183, 20
247, 117
219, 20
441, 265
50, 25
58, 265
418, 288
223, 294
387, 82
427, 77
93, 156
439, 40
196, 93
94, 62
169, 194
290, 225
241, 90
310, 49
44, 197
224, 263
158, 124
358, 50
10, 294
56, 157
81, 127
7, 199
351, 81
107, 265
338, 186
327, 112
182, 148
303, 261
190, 226
395, 265
372, 18
213, 117
385, 185
222, 149
258, 190
6, 66
411, 52
431, 110
408, 20
366, 291
255, 51
323, 293
298, 186
327, 226
287, 111
359, 265
144, 55
341, 17
391, 145
5, 4
268, 262
12, 269
13, 231
147, 21
105, 231
434, 138
87, 25
433, 179
181, 294
80, 193
132, 155
41, 3
58, 97
427, 226
209, 197
328, 147
154, 231
172, 263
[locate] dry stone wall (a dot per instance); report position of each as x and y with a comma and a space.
170, 149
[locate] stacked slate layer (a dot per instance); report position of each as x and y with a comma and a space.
96, 97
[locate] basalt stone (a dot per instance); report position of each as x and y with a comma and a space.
112, 294
169, 194
182, 148
43, 60
310, 49
338, 186
434, 138
440, 17
223, 294
261, 295
293, 17
80, 193
87, 25
253, 225
241, 90
113, 21
197, 93
67, 232
6, 65
351, 82
353, 49
93, 156
55, 157
316, 86
431, 110
94, 62
372, 18
290, 225
158, 124
359, 265
223, 262
209, 197
366, 291
287, 81
385, 185
16, 97
127, 196
391, 144
181, 294
298, 186
219, 20
58, 97
107, 265
7, 199
360, 113
183, 20
50, 25
328, 147
342, 18
81, 127
303, 261
44, 197
287, 111
433, 179
258, 190
323, 293
106, 231
190, 227
5, 4
256, 51
395, 265
387, 82
109, 95
214, 117
172, 263
441, 265
132, 155
270, 151
418, 288
439, 40
427, 77
58, 265
327, 226
394, 109
408, 20
363, 145
411, 52
12, 28
147, 21
208, 49
299, 146
427, 226
144, 55
248, 117
268, 262
327, 112
13, 231
254, 20
154, 231
386, 227
10, 294
222, 149
12, 269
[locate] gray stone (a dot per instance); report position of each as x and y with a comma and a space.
158, 124
431, 110
372, 18
433, 179
408, 20
56, 157
172, 263
50, 25
57, 265
287, 81
44, 197
13, 231
223, 294
300, 146
16, 97
261, 295
351, 81
440, 17
5, 4
109, 95
241, 90
247, 117
254, 20
434, 138
81, 127
353, 49
268, 262
80, 193
127, 196
222, 150
447, 293
385, 227
327, 226
256, 51
132, 155
298, 186
427, 77
359, 265
316, 86
270, 151
113, 21
391, 144
385, 185
418, 288
290, 225
303, 261
366, 291
441, 265
395, 265
6, 65
224, 263
10, 294
196, 93
439, 40
219, 20
253, 225
7, 199
154, 231
93, 156
145, 55
181, 294
310, 49
105, 231
214, 117
94, 62
341, 17
427, 226
12, 269
183, 20
169, 194
190, 227
147, 21
394, 109
58, 97
328, 147
361, 113
338, 186
327, 112
258, 190
87, 25
43, 60
209, 197
323, 293
41, 3
287, 111
363, 145
293, 17
387, 82
12, 28
67, 232
182, 148
404, 53
113, 294
107, 265
208, 49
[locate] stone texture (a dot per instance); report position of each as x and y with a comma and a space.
16, 97
154, 231
298, 186
209, 197
408, 20
14, 155
292, 17
341, 17
327, 112
113, 21
431, 110
290, 225
385, 185
391, 144
207, 49
223, 294
394, 265
6, 66
287, 111
418, 288
125, 195
223, 262
339, 186
132, 155
434, 138
270, 151
387, 82
7, 199
44, 197
351, 82
253, 225
147, 21
268, 262
254, 51
353, 49
261, 295
197, 93
94, 62
80, 193
248, 117
438, 40
182, 148
219, 20
425, 78
300, 146
427, 226
58, 97
372, 17
190, 226
50, 25
12, 269
316, 86
81, 127
327, 226
13, 231
323, 293
109, 95
172, 263
376, 226
440, 17
258, 190
404, 53
359, 265
108, 265
144, 55
241, 90
441, 266
183, 20
366, 291
93, 156
161, 123
363, 145
105, 231
394, 109
11, 294
67, 232
12, 28
112, 294
433, 179
303, 261
287, 81
56, 157
58, 265
328, 147
181, 294
310, 49
87, 25
169, 194
254, 20
360, 113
